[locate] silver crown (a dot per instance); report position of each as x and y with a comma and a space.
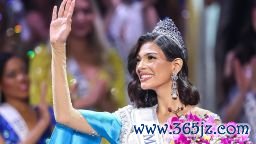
169, 29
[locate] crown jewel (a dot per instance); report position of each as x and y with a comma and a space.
169, 29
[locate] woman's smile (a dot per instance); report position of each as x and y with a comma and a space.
145, 77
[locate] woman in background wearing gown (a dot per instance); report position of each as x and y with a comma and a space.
20, 122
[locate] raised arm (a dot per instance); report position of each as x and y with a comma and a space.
59, 31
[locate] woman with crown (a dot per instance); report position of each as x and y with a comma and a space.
159, 88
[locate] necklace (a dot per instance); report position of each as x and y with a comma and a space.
179, 109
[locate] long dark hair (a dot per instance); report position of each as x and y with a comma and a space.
188, 94
4, 58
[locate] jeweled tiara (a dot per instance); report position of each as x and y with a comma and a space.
168, 28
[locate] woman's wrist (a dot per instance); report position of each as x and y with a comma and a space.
58, 46
59, 49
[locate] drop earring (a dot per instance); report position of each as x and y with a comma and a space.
174, 93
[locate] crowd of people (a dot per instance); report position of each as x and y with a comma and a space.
103, 34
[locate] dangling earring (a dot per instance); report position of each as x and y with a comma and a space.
174, 86
146, 97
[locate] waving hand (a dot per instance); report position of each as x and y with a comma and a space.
61, 22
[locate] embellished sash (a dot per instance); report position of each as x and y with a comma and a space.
139, 117
15, 120
147, 117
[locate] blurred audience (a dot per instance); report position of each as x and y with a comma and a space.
40, 72
176, 9
96, 67
240, 87
37, 28
10, 30
234, 15
21, 122
240, 77
38, 17
37, 22
239, 73
126, 20
44, 7
3, 19
3, 24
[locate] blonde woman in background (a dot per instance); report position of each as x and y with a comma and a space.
96, 68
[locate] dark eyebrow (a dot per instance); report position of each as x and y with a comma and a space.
147, 54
